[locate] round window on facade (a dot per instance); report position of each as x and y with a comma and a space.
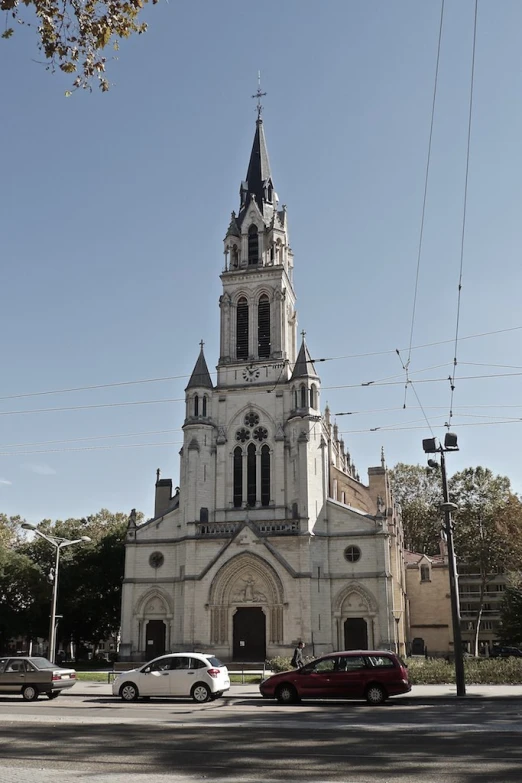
156, 560
251, 419
242, 435
352, 554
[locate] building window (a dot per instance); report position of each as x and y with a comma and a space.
425, 573
265, 476
251, 475
156, 560
295, 399
253, 245
242, 329
203, 514
313, 396
196, 405
263, 327
204, 405
251, 419
238, 477
352, 554
303, 396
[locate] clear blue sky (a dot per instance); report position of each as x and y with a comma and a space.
113, 210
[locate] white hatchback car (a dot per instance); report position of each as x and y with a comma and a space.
198, 675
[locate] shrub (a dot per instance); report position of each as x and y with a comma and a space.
281, 663
478, 671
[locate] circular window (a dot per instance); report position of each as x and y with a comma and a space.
260, 433
156, 559
352, 554
251, 419
242, 435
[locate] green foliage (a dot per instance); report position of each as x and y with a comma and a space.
478, 671
25, 594
73, 36
510, 630
282, 663
419, 493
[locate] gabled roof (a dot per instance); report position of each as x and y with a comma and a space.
304, 366
200, 377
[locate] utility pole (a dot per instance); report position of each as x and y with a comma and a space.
432, 446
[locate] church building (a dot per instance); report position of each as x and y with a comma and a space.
271, 537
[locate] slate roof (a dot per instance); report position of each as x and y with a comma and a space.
200, 377
304, 366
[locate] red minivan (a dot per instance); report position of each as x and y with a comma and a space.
373, 675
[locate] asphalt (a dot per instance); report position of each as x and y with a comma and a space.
421, 693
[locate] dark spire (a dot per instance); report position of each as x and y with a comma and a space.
200, 377
259, 178
304, 366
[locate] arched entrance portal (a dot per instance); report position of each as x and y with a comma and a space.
249, 634
355, 634
246, 608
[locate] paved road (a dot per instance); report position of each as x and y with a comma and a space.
431, 737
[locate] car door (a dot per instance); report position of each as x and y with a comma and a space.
13, 676
182, 676
154, 679
313, 680
349, 677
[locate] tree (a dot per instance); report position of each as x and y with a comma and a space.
487, 527
419, 493
24, 599
511, 616
73, 35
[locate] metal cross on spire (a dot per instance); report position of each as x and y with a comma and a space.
259, 94
201, 344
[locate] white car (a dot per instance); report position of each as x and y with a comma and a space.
200, 676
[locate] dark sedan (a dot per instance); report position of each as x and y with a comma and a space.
355, 674
31, 676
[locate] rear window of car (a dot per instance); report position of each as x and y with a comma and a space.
213, 661
42, 663
381, 661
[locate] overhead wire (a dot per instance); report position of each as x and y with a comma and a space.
464, 215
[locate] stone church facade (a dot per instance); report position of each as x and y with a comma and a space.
271, 537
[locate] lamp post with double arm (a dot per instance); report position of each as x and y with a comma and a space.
432, 446
58, 543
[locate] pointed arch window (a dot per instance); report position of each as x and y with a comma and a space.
242, 329
204, 411
265, 475
238, 477
253, 245
251, 475
303, 396
196, 405
263, 327
313, 396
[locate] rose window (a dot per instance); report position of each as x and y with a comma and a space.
243, 435
260, 433
156, 559
251, 419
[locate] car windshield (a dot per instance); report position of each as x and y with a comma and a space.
42, 663
214, 661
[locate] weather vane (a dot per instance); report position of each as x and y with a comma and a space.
259, 94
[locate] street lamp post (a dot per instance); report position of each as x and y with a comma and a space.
432, 446
58, 543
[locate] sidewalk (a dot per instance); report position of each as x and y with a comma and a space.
419, 692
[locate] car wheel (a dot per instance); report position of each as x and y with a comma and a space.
30, 693
200, 693
375, 694
129, 691
286, 694
53, 694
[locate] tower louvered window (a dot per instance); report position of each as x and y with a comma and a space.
204, 405
238, 477
253, 245
265, 476
263, 327
242, 329
251, 475
303, 396
196, 405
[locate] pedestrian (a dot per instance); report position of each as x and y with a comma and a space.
297, 658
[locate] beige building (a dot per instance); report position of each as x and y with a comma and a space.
272, 536
429, 605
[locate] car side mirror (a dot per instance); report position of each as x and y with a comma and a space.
147, 670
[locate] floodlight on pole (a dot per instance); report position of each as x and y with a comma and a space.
432, 446
59, 543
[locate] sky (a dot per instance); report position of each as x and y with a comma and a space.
114, 207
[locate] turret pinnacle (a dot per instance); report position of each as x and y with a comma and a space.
304, 366
200, 377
